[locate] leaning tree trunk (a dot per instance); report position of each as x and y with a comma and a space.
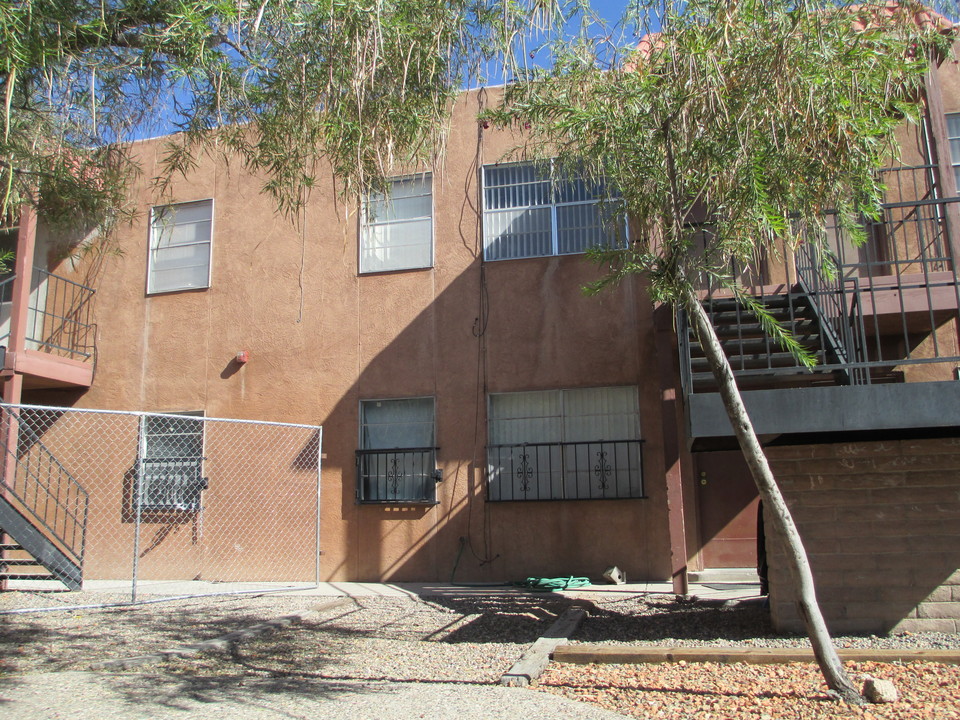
826, 654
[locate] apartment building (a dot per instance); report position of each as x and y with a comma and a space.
484, 420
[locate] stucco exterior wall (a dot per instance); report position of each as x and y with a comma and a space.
322, 337
881, 525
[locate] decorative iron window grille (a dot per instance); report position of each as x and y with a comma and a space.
407, 475
170, 466
171, 483
592, 470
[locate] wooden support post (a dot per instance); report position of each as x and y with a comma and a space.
673, 421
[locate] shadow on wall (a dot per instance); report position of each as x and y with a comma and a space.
495, 327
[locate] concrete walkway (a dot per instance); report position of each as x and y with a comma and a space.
148, 590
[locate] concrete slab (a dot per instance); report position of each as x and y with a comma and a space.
153, 590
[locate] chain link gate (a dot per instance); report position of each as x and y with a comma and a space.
129, 496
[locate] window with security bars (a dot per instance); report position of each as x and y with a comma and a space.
397, 228
578, 444
180, 240
530, 210
396, 462
170, 466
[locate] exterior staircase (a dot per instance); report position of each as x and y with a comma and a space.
757, 359
43, 510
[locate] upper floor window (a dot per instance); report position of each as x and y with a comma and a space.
396, 461
578, 444
530, 211
953, 134
180, 246
397, 227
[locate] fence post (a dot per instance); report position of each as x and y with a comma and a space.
136, 500
319, 474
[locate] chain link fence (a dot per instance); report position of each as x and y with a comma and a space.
90, 496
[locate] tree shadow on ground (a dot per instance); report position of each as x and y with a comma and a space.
666, 618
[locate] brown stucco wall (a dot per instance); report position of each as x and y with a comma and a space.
321, 338
881, 525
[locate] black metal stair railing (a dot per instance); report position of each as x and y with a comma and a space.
835, 302
42, 506
876, 309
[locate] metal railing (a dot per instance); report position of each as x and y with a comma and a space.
877, 308
602, 469
398, 475
58, 315
43, 489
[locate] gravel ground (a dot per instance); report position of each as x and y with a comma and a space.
709, 691
468, 639
378, 657
661, 620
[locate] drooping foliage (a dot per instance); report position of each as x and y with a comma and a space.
277, 84
750, 118
732, 131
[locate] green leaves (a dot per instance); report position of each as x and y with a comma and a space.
281, 86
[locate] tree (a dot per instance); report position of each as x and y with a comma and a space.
278, 84
758, 116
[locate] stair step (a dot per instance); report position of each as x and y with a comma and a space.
18, 561
26, 576
9, 547
705, 382
753, 361
734, 347
797, 326
778, 300
733, 317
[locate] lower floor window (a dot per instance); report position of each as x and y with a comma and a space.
170, 467
396, 462
578, 444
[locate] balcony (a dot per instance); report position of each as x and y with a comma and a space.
881, 320
55, 347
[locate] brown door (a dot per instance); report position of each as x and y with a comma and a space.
727, 503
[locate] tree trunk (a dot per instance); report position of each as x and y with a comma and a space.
826, 654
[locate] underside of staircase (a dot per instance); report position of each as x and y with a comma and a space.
26, 553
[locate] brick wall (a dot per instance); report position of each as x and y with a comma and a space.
881, 525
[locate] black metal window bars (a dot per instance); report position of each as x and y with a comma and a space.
592, 470
398, 475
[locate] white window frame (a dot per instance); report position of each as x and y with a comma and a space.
404, 474
563, 454
157, 237
372, 229
171, 481
548, 173
954, 141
